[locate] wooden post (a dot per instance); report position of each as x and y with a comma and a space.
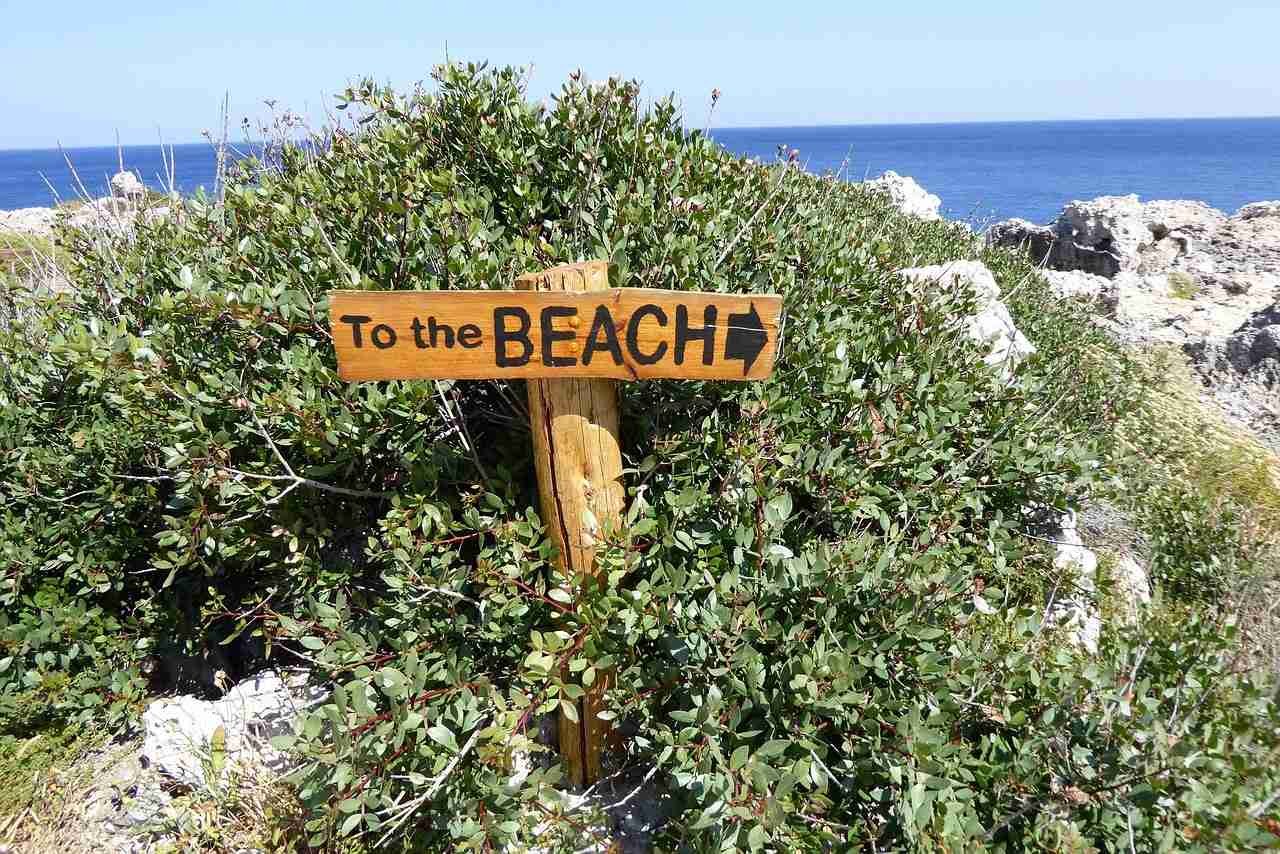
579, 465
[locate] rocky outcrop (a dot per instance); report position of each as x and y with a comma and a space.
1246, 250
1176, 273
38, 221
192, 741
116, 212
1251, 351
992, 324
1074, 609
1114, 235
1131, 588
907, 195
1242, 372
1173, 272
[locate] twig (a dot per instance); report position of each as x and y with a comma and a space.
1133, 678
220, 178
403, 812
746, 225
1257, 811
647, 777
444, 775
297, 480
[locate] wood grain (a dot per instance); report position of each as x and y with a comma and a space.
620, 333
579, 466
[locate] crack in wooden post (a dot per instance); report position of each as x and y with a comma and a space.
579, 467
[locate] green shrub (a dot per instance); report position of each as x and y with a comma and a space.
795, 610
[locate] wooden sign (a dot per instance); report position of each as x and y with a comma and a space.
623, 334
571, 336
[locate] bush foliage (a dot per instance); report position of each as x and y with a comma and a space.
824, 614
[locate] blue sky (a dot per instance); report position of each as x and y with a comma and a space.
77, 72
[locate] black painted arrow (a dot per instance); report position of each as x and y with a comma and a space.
746, 338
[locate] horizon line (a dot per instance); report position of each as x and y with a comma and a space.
767, 127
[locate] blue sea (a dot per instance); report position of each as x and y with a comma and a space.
982, 171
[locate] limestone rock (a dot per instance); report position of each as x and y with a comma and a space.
907, 195
1257, 210
1252, 351
1182, 272
1131, 588
1036, 240
991, 324
126, 186
1102, 236
38, 221
1081, 285
1111, 235
1191, 219
1246, 250
181, 732
1074, 609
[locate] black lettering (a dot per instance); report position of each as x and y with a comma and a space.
550, 336
387, 332
706, 334
633, 334
501, 335
469, 336
416, 326
433, 330
355, 320
602, 325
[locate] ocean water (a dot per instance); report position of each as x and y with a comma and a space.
982, 171
24, 172
992, 171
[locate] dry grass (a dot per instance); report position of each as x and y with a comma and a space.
51, 795
68, 804
1201, 447
247, 813
1188, 440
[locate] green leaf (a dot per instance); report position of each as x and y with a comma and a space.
772, 748
444, 736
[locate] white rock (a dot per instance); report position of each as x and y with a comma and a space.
179, 731
1131, 588
1111, 235
1078, 284
1258, 210
1070, 551
1081, 622
27, 221
1194, 219
125, 185
1037, 241
1105, 234
907, 195
991, 324
1074, 609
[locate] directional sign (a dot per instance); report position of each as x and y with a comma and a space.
559, 325
621, 333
